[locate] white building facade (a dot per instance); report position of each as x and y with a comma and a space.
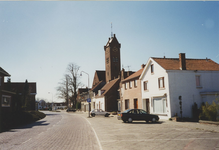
165, 80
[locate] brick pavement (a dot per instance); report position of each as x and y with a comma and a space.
76, 131
56, 131
114, 134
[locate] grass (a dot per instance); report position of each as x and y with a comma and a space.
16, 119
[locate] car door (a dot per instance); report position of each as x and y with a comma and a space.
133, 114
101, 112
144, 115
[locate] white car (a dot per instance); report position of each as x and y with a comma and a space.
99, 112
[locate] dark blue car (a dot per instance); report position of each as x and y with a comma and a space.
137, 114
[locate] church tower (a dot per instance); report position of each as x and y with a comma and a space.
112, 58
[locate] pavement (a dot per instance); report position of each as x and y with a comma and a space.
202, 125
75, 130
166, 135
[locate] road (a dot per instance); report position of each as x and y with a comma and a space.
61, 130
56, 131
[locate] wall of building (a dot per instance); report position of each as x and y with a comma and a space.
100, 103
131, 94
183, 83
154, 92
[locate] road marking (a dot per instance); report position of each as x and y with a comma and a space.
98, 141
26, 141
87, 120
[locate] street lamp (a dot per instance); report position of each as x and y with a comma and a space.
87, 92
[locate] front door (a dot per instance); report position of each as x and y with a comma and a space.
136, 103
147, 106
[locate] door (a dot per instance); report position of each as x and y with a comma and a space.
147, 106
136, 103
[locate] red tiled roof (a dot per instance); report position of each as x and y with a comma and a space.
108, 86
134, 75
191, 64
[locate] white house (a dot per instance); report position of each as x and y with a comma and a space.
165, 80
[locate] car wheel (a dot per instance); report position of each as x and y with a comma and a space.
130, 120
106, 115
93, 115
153, 120
124, 121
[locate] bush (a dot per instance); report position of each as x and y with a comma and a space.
209, 112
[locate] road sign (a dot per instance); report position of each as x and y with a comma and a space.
88, 100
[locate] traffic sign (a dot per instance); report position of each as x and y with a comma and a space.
89, 100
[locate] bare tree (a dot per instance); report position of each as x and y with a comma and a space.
67, 89
63, 89
74, 82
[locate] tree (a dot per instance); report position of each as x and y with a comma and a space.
67, 89
63, 89
74, 82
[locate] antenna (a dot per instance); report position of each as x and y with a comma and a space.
127, 67
111, 29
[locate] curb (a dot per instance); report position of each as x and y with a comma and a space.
209, 122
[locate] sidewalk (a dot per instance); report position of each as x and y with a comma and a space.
194, 125
190, 125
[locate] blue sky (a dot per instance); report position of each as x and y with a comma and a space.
39, 39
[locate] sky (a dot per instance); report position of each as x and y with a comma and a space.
39, 39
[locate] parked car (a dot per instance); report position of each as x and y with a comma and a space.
99, 112
137, 114
70, 109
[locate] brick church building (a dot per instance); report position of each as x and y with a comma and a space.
106, 83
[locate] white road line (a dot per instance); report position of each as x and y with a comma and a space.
26, 141
98, 141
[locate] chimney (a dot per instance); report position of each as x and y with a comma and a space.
143, 65
182, 61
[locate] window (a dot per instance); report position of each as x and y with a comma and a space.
198, 81
130, 84
6, 100
161, 82
126, 104
125, 85
152, 68
160, 105
135, 83
145, 85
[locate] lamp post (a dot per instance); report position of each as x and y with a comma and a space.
87, 92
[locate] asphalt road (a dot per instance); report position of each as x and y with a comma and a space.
61, 130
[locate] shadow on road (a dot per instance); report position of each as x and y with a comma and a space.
38, 123
143, 122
